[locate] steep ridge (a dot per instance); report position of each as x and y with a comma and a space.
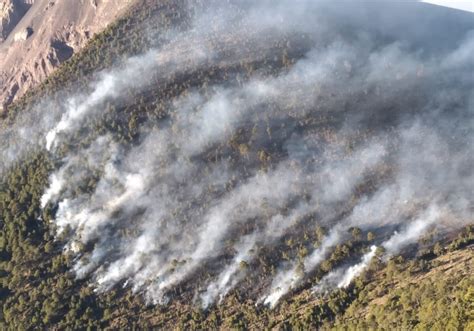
40, 35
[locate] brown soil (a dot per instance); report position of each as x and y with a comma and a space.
38, 35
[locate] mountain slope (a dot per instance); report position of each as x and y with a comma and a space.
53, 277
40, 35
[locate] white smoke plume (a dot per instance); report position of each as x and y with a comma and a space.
227, 278
412, 232
358, 129
343, 277
136, 71
357, 269
55, 187
290, 279
76, 168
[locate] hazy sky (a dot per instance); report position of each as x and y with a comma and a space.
467, 5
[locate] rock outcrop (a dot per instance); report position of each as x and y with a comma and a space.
36, 36
23, 34
11, 12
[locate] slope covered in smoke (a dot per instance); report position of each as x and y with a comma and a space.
248, 152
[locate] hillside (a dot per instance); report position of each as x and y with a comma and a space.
36, 36
200, 165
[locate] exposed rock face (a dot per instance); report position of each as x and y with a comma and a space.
11, 12
38, 35
23, 35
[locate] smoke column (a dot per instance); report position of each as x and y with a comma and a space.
336, 124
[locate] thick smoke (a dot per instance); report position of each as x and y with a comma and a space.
110, 85
357, 127
412, 232
289, 279
343, 277
229, 277
357, 269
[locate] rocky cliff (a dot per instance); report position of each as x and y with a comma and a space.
38, 35
11, 12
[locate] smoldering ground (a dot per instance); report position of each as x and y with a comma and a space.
312, 120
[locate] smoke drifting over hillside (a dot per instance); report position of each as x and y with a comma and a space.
356, 127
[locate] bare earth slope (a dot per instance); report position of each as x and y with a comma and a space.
11, 12
38, 35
